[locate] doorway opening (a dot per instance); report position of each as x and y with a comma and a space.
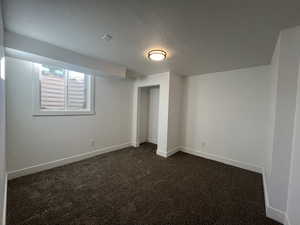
148, 114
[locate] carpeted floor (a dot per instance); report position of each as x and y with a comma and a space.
137, 187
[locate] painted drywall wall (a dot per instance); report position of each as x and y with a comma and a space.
269, 150
2, 127
274, 78
153, 114
294, 182
35, 140
228, 114
175, 107
288, 58
163, 81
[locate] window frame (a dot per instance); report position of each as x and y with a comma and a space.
37, 111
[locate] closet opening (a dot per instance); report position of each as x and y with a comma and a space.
148, 114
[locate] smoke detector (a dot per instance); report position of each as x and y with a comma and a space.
106, 37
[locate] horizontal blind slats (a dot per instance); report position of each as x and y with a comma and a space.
52, 92
55, 93
76, 94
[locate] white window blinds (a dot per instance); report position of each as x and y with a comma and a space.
53, 88
63, 90
77, 90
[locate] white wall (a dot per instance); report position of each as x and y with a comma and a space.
175, 110
285, 71
294, 184
274, 75
35, 140
227, 114
2, 127
153, 114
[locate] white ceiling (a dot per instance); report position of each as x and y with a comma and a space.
201, 36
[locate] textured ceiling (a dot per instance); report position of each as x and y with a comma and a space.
201, 36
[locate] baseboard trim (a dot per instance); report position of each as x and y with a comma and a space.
287, 220
276, 215
272, 213
4, 201
162, 154
152, 140
224, 160
135, 144
168, 153
64, 161
266, 193
173, 151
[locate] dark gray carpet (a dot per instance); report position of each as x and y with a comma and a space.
135, 186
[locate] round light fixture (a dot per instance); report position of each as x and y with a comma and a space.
157, 55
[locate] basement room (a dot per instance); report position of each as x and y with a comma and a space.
149, 112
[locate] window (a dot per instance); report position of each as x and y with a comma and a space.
59, 91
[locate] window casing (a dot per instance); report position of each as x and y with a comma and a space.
58, 91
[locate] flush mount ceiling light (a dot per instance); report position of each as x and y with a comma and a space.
157, 55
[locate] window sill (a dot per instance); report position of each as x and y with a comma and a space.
61, 113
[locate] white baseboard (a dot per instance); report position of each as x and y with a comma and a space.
173, 150
64, 161
3, 222
224, 160
135, 144
271, 212
161, 153
168, 153
152, 140
265, 186
276, 215
287, 220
